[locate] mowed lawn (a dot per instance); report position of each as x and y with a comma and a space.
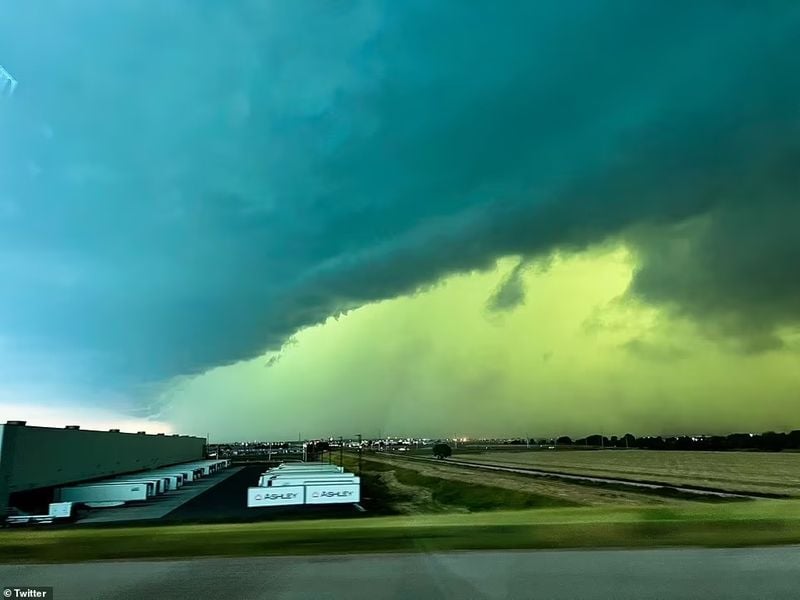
753, 523
771, 472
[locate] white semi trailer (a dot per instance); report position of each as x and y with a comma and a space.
300, 466
57, 510
210, 466
274, 481
269, 479
160, 482
320, 484
205, 467
104, 495
332, 492
259, 497
156, 485
175, 479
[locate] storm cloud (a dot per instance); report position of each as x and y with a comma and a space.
186, 185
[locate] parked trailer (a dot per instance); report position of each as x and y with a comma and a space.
305, 469
288, 472
164, 482
273, 480
180, 477
352, 479
332, 492
103, 495
149, 486
192, 472
213, 465
175, 479
155, 486
291, 473
268, 480
204, 468
287, 496
57, 510
313, 466
160, 484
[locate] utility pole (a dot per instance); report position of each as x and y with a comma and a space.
359, 455
341, 451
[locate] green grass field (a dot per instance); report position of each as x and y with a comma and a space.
448, 493
451, 487
769, 472
475, 497
755, 523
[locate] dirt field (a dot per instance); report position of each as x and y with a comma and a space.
777, 473
419, 500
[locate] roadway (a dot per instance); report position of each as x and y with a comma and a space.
732, 574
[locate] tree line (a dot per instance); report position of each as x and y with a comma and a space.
769, 441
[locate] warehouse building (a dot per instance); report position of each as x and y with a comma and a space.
39, 458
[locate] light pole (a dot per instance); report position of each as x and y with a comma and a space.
341, 451
359, 454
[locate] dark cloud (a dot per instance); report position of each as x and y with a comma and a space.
659, 352
186, 185
511, 291
735, 271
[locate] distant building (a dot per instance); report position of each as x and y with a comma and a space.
33, 458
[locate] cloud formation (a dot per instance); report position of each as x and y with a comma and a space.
432, 364
187, 185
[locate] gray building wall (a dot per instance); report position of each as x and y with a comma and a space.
36, 457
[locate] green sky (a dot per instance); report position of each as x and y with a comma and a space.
577, 355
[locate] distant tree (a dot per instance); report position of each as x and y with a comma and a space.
564, 440
595, 440
774, 442
442, 450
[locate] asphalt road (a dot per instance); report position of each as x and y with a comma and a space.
730, 574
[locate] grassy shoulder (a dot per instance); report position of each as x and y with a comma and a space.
756, 523
475, 497
446, 493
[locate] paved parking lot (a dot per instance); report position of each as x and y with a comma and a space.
159, 506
